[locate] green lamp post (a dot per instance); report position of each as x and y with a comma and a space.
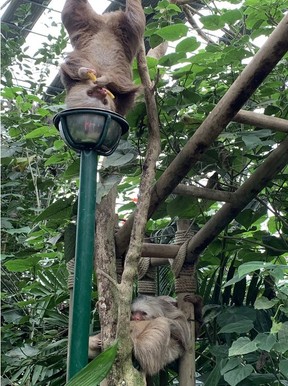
91, 132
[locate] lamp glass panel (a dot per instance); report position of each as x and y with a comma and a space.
85, 127
113, 134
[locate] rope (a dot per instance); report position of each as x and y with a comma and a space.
71, 269
146, 277
147, 287
143, 266
182, 236
178, 261
185, 280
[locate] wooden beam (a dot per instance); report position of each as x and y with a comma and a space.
209, 194
261, 120
162, 251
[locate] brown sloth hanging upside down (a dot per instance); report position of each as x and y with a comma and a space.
97, 73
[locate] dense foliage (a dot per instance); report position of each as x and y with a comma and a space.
242, 275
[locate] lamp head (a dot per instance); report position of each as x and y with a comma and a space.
91, 129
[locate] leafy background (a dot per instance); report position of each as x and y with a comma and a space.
242, 275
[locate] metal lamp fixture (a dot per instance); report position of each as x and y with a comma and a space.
91, 132
91, 129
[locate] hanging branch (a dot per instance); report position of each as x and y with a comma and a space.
139, 224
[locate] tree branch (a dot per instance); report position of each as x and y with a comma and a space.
195, 26
140, 220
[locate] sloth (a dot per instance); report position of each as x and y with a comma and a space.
97, 73
159, 332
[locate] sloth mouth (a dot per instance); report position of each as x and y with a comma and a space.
100, 93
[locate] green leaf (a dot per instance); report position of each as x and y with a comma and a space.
187, 45
237, 375
69, 241
22, 265
236, 278
234, 314
57, 159
231, 364
283, 367
43, 131
282, 344
23, 352
173, 32
277, 244
11, 92
171, 59
11, 316
57, 210
251, 141
212, 22
264, 304
215, 375
239, 327
242, 346
73, 170
276, 327
96, 370
252, 266
18, 230
183, 206
231, 16
118, 159
265, 341
245, 218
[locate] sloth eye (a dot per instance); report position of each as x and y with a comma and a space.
89, 92
105, 102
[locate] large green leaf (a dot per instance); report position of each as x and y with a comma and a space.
172, 32
263, 303
215, 375
252, 266
61, 209
96, 370
43, 131
238, 374
239, 327
187, 45
242, 346
265, 341
22, 265
212, 22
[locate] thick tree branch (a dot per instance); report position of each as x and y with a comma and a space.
240, 91
105, 262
